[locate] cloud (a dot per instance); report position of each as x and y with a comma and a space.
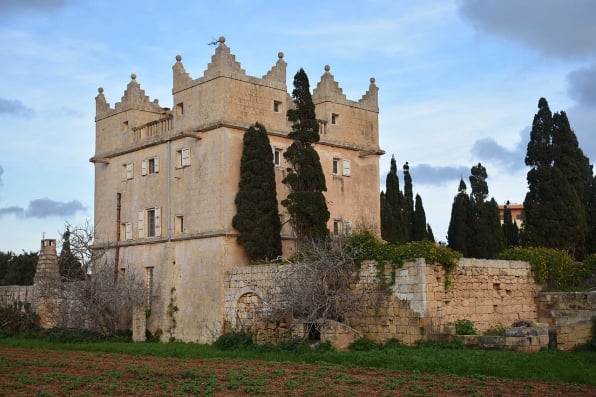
582, 85
43, 208
426, 174
489, 151
21, 6
553, 27
13, 107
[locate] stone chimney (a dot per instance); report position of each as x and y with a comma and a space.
47, 265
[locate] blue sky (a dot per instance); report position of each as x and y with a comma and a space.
459, 84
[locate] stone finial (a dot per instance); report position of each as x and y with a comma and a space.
178, 58
372, 80
327, 68
133, 76
222, 40
100, 90
101, 106
280, 55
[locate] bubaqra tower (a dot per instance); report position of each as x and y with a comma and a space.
166, 179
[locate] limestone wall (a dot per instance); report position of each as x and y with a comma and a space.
570, 314
17, 293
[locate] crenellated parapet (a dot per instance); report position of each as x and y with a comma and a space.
134, 98
328, 90
224, 64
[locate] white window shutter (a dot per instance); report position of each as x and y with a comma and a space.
346, 168
128, 231
141, 224
129, 171
156, 164
144, 167
185, 157
158, 221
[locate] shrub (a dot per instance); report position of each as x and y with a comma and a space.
464, 327
17, 318
497, 330
233, 340
551, 266
364, 344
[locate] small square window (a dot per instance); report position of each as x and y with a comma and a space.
180, 109
126, 231
179, 226
183, 158
337, 227
124, 126
334, 117
276, 106
127, 171
150, 166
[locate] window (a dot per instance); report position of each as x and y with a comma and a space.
346, 167
276, 106
150, 166
126, 231
336, 166
347, 228
277, 157
122, 272
183, 158
337, 224
334, 117
179, 225
124, 126
149, 223
127, 171
180, 109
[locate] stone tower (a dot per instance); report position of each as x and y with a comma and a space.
47, 265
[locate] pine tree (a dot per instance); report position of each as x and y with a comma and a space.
510, 229
305, 179
457, 233
257, 216
70, 267
419, 231
555, 215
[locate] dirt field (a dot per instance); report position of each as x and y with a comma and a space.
33, 372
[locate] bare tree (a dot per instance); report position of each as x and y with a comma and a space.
99, 302
324, 281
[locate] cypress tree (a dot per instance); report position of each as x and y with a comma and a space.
408, 200
510, 229
429, 233
257, 214
393, 223
457, 233
70, 268
555, 215
419, 225
305, 179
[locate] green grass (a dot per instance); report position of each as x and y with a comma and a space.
554, 366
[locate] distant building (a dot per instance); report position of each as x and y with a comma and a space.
166, 179
517, 213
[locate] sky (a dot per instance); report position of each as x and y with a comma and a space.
459, 84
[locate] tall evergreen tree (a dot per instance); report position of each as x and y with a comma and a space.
68, 264
393, 221
555, 215
21, 269
429, 233
485, 237
419, 231
408, 201
510, 229
257, 216
457, 233
305, 179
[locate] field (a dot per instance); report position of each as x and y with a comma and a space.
182, 370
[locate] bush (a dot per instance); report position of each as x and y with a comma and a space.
233, 340
464, 327
364, 344
553, 267
17, 318
497, 330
